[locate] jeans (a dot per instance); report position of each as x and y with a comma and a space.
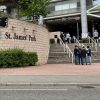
84, 61
76, 60
89, 61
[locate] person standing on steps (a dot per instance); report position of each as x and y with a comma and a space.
62, 36
80, 55
83, 55
67, 38
89, 61
76, 54
73, 39
96, 35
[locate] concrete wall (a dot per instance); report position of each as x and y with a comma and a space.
31, 37
52, 35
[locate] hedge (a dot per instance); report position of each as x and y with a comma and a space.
17, 58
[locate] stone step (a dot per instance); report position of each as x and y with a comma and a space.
56, 46
57, 59
58, 62
58, 54
53, 48
56, 50
53, 56
95, 60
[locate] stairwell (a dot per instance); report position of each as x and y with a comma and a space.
57, 55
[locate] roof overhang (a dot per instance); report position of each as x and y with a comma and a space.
62, 16
90, 12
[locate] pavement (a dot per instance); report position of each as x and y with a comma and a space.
52, 74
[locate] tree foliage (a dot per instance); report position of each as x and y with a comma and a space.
33, 7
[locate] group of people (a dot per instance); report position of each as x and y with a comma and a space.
66, 38
82, 55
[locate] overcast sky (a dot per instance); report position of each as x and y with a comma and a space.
97, 2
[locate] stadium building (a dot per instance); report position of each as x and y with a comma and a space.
78, 17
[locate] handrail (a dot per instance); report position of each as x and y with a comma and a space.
67, 50
79, 44
62, 43
94, 44
77, 41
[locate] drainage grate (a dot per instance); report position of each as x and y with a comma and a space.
87, 87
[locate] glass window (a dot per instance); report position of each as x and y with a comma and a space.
73, 5
61, 7
65, 6
58, 7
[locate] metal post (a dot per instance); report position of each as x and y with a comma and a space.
77, 30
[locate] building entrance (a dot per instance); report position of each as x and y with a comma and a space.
73, 26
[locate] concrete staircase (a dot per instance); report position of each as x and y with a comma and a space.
57, 55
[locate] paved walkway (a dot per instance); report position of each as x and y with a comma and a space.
52, 74
54, 69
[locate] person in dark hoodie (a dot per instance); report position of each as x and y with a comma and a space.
76, 54
89, 55
83, 55
80, 55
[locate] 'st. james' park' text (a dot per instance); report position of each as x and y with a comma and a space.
15, 36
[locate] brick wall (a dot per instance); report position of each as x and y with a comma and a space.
27, 32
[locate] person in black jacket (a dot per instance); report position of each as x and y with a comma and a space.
76, 54
83, 55
89, 55
80, 55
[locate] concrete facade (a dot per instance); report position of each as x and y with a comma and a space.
26, 36
53, 35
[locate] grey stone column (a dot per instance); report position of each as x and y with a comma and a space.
84, 19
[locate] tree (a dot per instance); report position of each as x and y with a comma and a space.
32, 8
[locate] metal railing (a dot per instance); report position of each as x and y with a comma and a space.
67, 50
80, 44
91, 41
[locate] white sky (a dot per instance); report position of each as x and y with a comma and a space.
96, 2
